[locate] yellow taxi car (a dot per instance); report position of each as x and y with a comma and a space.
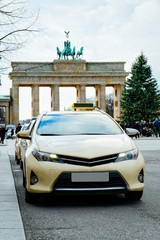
26, 142
81, 151
19, 144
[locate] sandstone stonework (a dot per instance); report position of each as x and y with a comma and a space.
69, 73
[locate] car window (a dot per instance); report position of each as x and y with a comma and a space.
77, 124
31, 131
26, 127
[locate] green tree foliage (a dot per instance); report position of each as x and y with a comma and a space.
141, 97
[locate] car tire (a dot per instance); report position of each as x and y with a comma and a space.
30, 197
15, 156
18, 161
134, 195
21, 164
24, 181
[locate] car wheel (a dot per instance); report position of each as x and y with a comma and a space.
21, 164
24, 181
18, 161
135, 195
30, 197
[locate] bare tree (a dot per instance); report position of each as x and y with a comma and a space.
16, 25
110, 104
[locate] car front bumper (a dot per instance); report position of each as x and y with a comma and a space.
56, 177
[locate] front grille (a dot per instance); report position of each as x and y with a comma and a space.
88, 162
64, 181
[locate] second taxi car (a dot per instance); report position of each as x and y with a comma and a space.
19, 144
81, 151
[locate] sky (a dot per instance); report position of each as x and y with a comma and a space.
109, 30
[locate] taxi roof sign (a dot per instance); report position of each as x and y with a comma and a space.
83, 106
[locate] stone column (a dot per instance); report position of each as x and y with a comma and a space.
15, 97
117, 97
81, 93
35, 100
11, 114
11, 108
7, 114
55, 98
100, 97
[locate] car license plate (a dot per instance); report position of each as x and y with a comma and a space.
90, 177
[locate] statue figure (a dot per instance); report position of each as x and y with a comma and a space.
73, 52
79, 53
67, 34
59, 53
64, 54
67, 51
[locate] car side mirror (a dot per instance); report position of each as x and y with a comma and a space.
24, 134
14, 136
131, 132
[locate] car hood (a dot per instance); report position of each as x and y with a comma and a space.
85, 146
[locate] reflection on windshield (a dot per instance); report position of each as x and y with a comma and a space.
77, 124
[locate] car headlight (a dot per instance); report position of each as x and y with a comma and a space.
46, 157
131, 155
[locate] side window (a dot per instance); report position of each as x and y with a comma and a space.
31, 131
28, 126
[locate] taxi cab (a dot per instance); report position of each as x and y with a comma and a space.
19, 144
26, 142
81, 151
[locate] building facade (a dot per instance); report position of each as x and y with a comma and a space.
5, 109
67, 73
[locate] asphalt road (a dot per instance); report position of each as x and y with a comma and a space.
111, 217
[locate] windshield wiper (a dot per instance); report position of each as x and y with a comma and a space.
47, 134
92, 134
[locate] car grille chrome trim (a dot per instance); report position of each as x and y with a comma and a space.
63, 159
87, 161
64, 181
90, 189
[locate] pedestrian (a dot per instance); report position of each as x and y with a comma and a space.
12, 132
138, 127
144, 126
122, 125
18, 128
144, 131
150, 126
156, 127
3, 133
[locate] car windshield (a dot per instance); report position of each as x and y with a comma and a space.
25, 127
77, 124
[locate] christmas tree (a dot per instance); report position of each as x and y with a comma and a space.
141, 97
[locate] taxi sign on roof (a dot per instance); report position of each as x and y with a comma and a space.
83, 106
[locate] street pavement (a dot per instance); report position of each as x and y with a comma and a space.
11, 226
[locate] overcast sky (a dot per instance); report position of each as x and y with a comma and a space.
109, 30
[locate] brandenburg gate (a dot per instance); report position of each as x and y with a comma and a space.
66, 72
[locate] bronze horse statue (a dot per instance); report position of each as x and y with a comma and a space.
68, 52
73, 52
59, 53
79, 53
